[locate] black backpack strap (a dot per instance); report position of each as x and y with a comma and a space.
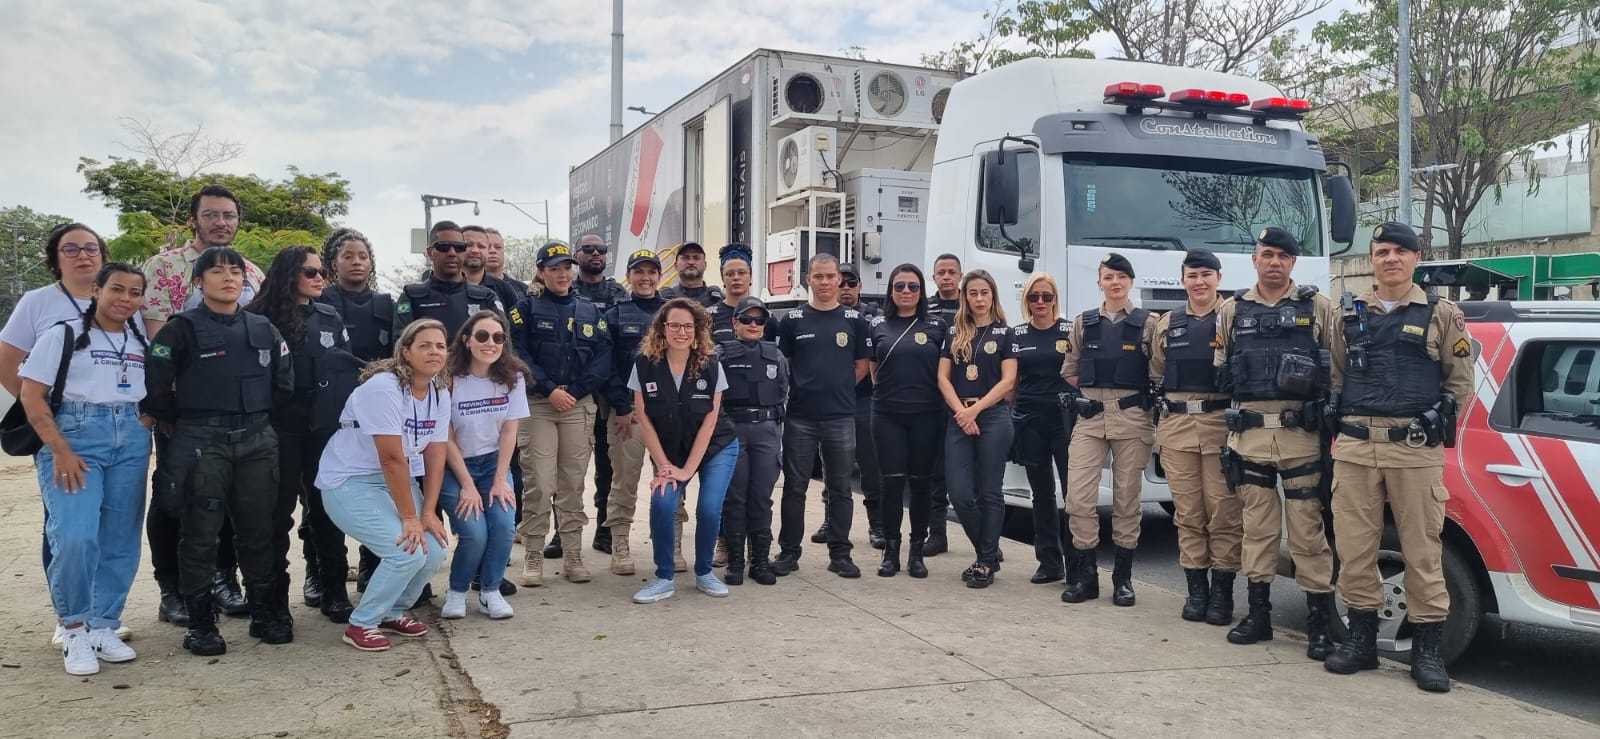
61, 369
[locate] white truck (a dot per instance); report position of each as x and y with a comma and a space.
1038, 165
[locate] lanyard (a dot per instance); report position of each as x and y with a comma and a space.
76, 308
122, 358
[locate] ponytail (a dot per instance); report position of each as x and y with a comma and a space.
88, 325
133, 326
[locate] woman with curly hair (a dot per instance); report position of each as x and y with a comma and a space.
393, 430
489, 394
352, 280
315, 334
678, 383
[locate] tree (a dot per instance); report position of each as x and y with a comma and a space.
1043, 29
1221, 35
393, 277
1490, 79
299, 202
522, 253
23, 232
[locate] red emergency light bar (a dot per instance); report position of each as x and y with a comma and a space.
1138, 97
1123, 92
1282, 106
1210, 98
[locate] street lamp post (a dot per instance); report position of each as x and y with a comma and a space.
429, 202
544, 224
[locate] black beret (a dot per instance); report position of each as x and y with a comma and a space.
1398, 234
1201, 259
1118, 263
1278, 238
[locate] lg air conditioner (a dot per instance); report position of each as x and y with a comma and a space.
806, 159
811, 96
901, 99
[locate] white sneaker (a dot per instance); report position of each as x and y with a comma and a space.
658, 589
492, 603
55, 639
109, 648
455, 605
124, 633
78, 653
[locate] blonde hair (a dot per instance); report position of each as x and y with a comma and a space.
966, 327
397, 364
1027, 287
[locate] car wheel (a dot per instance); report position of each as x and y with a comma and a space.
1466, 602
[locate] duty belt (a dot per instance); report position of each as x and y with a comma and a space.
1195, 407
755, 414
1412, 434
232, 427
1288, 418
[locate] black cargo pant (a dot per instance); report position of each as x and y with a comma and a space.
903, 441
299, 453
867, 458
747, 508
802, 439
602, 460
975, 470
938, 493
1040, 442
232, 474
164, 528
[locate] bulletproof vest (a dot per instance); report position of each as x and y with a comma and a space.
1271, 346
367, 323
945, 309
603, 294
1387, 369
676, 413
1191, 353
1113, 353
564, 351
705, 295
628, 322
756, 374
324, 331
452, 308
230, 369
721, 323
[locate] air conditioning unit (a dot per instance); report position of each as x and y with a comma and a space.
901, 99
812, 96
807, 159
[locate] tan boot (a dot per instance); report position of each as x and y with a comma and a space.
533, 568
621, 557
719, 558
572, 549
678, 563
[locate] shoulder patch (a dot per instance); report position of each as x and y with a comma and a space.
1459, 320
796, 312
404, 306
852, 313
876, 320
161, 350
1462, 348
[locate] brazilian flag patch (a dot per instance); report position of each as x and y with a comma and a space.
161, 351
403, 307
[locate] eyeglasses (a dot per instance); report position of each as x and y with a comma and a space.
455, 246
1041, 297
749, 320
679, 326
849, 282
484, 337
907, 287
72, 250
592, 249
227, 216
311, 273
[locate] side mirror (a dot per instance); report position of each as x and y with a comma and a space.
1342, 217
1000, 188
1025, 264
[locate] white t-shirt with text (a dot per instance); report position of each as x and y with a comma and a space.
109, 370
479, 406
380, 408
38, 310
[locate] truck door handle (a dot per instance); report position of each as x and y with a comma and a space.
1511, 474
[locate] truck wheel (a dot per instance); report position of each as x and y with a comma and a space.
1466, 602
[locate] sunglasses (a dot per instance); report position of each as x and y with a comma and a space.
1041, 297
484, 337
455, 246
849, 282
592, 249
311, 273
73, 250
907, 287
752, 320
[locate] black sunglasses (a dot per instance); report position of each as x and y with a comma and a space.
749, 320
592, 249
849, 282
484, 337
907, 287
311, 273
455, 246
1041, 297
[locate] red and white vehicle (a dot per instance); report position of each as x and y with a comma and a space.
1522, 528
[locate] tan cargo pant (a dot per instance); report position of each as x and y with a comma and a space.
1417, 497
627, 466
1266, 514
1208, 515
1085, 458
555, 460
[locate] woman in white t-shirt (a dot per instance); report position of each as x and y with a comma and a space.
393, 429
489, 395
93, 464
74, 254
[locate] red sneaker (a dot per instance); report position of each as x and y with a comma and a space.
404, 626
365, 638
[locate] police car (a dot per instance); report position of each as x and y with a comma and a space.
1522, 525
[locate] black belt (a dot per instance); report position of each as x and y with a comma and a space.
1130, 401
1377, 433
755, 415
1289, 418
237, 420
1198, 406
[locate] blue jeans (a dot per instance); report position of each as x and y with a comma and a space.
715, 474
485, 540
94, 533
362, 508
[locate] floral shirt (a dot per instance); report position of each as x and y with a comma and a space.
169, 276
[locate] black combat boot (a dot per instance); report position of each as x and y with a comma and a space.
602, 538
553, 549
1319, 612
937, 543
366, 564
173, 609
336, 596
1194, 606
914, 565
760, 550
202, 639
1257, 622
891, 559
1083, 578
735, 573
1427, 666
875, 528
311, 589
1360, 648
821, 535
226, 595
1122, 578
264, 619
1219, 612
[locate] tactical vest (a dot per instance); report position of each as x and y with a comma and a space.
1191, 354
705, 295
564, 351
1387, 368
451, 308
676, 413
369, 324
1263, 336
229, 371
722, 323
1113, 353
757, 375
628, 322
603, 294
324, 331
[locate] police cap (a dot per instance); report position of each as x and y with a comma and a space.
735, 251
643, 256
1118, 263
748, 303
1398, 234
1201, 259
849, 269
554, 253
690, 245
1278, 238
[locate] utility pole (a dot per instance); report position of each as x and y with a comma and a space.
616, 79
544, 224
1404, 215
429, 202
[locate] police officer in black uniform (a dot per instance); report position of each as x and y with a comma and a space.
368, 315
627, 321
736, 260
599, 288
866, 452
691, 265
943, 304
758, 385
446, 296
213, 375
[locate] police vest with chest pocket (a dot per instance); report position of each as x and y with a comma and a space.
676, 412
367, 325
324, 329
1190, 363
1388, 373
564, 355
229, 371
1114, 357
756, 379
1274, 356
450, 308
631, 323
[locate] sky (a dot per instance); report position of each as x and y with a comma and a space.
470, 99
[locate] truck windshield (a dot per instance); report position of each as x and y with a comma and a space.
1165, 203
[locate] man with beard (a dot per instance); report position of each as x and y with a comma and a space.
475, 265
946, 299
445, 296
495, 262
691, 264
595, 285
